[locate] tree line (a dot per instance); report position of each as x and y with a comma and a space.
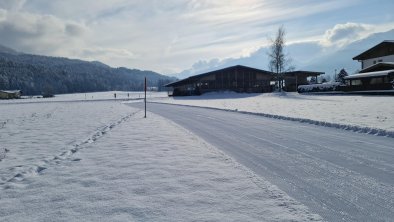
37, 75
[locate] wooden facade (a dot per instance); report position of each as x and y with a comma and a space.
238, 79
296, 78
377, 72
379, 80
235, 78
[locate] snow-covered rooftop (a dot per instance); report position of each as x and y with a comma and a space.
370, 74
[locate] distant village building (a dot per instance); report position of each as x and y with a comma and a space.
238, 79
382, 52
10, 94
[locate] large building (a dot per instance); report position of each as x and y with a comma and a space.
377, 64
382, 52
238, 79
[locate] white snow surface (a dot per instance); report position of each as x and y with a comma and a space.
93, 96
367, 114
101, 161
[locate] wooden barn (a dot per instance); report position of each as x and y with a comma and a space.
235, 78
10, 94
294, 79
238, 79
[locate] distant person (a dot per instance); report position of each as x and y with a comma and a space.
128, 95
115, 95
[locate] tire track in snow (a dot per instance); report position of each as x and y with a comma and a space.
29, 170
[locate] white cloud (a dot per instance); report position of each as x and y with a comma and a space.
103, 53
158, 35
42, 34
3, 15
343, 34
12, 5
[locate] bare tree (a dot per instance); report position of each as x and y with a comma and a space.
279, 63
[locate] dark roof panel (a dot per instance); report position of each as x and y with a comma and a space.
384, 48
370, 74
301, 72
191, 78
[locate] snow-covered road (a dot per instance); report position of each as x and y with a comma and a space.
338, 174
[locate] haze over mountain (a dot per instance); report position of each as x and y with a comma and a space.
313, 56
35, 74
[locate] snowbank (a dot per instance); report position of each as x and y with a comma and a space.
365, 114
324, 87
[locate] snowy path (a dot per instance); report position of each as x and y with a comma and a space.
338, 174
129, 169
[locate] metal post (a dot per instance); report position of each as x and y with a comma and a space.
145, 98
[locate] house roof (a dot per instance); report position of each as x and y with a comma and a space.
381, 66
382, 49
10, 91
192, 78
301, 72
370, 74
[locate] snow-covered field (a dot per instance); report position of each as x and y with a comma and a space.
368, 114
120, 95
100, 160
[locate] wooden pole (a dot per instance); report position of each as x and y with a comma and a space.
145, 98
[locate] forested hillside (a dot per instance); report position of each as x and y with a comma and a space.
36, 75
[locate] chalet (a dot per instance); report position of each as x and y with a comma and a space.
238, 79
378, 80
382, 52
377, 72
10, 94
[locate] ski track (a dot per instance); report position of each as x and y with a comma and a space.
29, 170
357, 129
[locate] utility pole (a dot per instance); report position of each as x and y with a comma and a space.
145, 98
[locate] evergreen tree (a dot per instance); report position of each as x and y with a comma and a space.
313, 80
341, 76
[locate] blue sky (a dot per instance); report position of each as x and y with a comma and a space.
170, 36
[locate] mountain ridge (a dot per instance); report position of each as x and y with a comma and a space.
39, 74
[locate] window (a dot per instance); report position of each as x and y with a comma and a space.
376, 81
356, 82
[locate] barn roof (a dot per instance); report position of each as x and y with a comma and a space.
384, 48
371, 74
301, 72
10, 91
192, 78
